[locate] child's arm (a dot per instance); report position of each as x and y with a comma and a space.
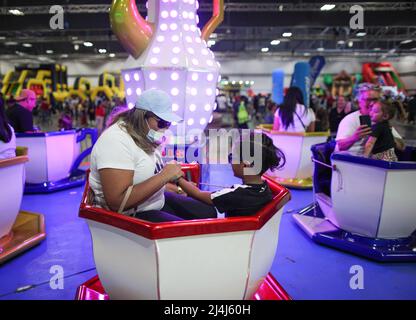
192, 191
276, 123
369, 146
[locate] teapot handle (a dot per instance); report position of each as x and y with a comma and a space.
133, 32
216, 19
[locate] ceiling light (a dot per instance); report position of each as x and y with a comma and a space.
350, 44
361, 34
275, 42
10, 43
102, 50
49, 51
112, 55
64, 55
16, 12
76, 47
211, 43
406, 41
306, 54
320, 49
392, 51
341, 42
287, 34
27, 45
377, 49
88, 44
2, 38
327, 7
264, 49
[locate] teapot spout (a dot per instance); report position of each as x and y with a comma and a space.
133, 32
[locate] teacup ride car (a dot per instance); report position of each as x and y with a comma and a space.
363, 206
225, 258
19, 230
55, 158
296, 146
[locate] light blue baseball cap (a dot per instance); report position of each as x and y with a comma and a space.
158, 102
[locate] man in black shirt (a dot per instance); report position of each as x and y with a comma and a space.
20, 114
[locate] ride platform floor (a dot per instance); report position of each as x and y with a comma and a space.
306, 270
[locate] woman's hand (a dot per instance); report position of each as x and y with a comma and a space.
172, 171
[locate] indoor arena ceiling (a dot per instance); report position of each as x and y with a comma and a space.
298, 28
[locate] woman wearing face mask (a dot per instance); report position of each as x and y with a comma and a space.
127, 171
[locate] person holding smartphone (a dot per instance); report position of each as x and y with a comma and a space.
128, 175
352, 134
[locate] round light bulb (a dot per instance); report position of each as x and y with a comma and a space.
153, 76
164, 14
131, 105
195, 77
174, 76
176, 50
174, 60
192, 107
207, 107
173, 13
175, 38
127, 78
174, 91
160, 38
175, 107
173, 26
136, 76
138, 91
208, 92
163, 27
156, 50
129, 91
154, 60
202, 121
210, 77
190, 122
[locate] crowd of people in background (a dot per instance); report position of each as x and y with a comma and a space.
323, 114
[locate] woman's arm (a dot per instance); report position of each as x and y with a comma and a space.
115, 183
276, 123
311, 127
369, 146
192, 191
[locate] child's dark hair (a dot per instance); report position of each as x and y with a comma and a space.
272, 157
5, 131
388, 109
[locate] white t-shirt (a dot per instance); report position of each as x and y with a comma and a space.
347, 127
306, 117
116, 149
8, 150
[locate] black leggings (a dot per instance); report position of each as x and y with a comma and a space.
178, 208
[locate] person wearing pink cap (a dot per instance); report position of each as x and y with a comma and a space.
20, 115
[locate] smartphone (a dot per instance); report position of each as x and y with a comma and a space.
365, 120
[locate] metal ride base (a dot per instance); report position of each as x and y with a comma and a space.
270, 289
27, 231
76, 179
302, 184
322, 231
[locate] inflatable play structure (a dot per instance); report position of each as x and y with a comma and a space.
195, 259
45, 80
382, 74
81, 88
363, 206
301, 78
55, 158
19, 230
278, 80
109, 85
296, 146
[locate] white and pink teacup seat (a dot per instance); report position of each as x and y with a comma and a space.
196, 259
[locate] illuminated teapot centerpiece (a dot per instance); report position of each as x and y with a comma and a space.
169, 52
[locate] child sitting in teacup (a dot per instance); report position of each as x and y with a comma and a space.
254, 193
380, 144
